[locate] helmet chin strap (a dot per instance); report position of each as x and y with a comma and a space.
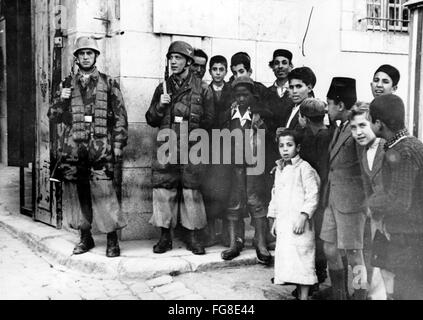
186, 68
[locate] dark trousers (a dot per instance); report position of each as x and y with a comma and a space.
247, 196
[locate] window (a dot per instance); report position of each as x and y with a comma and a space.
387, 15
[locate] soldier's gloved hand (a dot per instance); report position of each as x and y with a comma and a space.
118, 154
66, 93
165, 99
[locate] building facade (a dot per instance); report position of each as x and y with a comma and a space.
349, 38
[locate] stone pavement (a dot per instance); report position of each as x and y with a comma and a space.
136, 262
25, 275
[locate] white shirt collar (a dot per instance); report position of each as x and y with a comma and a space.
371, 153
216, 88
237, 115
281, 90
375, 144
293, 113
296, 160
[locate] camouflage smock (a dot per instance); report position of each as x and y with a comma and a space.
96, 150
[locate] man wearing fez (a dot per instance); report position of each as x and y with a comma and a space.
281, 65
344, 217
96, 130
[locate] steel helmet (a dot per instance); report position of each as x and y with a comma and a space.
183, 48
86, 43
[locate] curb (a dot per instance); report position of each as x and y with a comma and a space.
56, 247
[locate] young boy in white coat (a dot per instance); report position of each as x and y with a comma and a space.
295, 197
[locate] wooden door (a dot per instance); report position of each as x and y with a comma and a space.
48, 76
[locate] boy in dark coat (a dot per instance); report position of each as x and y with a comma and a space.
281, 65
315, 150
247, 193
215, 184
397, 246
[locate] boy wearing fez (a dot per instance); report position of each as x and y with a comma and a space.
247, 190
397, 245
344, 218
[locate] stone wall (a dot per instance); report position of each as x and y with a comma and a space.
335, 45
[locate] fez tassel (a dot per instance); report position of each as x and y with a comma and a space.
179, 310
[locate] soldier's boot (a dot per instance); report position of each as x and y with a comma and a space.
194, 243
236, 244
263, 255
113, 249
165, 242
86, 243
337, 277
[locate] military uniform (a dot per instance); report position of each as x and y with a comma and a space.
96, 125
176, 187
87, 147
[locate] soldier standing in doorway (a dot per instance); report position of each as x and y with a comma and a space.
92, 109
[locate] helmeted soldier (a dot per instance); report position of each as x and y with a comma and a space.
176, 186
91, 107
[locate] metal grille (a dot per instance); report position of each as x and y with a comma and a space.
387, 15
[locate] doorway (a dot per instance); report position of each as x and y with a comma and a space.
17, 97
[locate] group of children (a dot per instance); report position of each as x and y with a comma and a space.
332, 169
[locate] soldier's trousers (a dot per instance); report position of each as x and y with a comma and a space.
95, 202
169, 203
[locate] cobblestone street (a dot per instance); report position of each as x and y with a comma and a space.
25, 275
